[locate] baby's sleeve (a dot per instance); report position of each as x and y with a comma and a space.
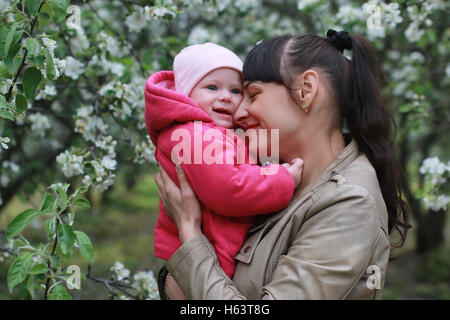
237, 189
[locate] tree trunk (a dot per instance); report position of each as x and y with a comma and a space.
430, 231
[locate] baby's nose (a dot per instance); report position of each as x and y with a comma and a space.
225, 95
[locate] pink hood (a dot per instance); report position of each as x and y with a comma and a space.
165, 107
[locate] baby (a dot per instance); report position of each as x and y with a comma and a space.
202, 93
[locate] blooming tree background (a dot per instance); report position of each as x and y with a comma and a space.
72, 75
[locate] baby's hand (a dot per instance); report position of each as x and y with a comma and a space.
295, 169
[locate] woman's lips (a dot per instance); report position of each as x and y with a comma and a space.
251, 126
245, 126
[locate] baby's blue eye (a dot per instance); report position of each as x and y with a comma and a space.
236, 91
214, 88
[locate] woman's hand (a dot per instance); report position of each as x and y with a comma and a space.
180, 204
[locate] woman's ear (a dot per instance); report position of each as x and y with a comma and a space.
308, 85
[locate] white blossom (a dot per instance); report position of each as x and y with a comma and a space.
109, 163
161, 12
437, 203
71, 164
349, 14
39, 123
85, 111
9, 169
4, 142
137, 20
90, 127
447, 70
121, 273
49, 44
79, 42
74, 68
302, 4
145, 282
106, 143
200, 34
435, 169
104, 182
48, 92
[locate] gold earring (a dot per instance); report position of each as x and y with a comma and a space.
305, 108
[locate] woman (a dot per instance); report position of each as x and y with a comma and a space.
332, 241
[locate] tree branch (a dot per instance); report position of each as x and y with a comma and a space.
110, 283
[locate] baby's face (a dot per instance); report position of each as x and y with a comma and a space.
219, 94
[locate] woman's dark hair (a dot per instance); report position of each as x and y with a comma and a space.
355, 86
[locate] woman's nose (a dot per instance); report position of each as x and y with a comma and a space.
241, 112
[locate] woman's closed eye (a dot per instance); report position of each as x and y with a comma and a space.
252, 95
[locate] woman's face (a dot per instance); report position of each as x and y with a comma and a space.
268, 105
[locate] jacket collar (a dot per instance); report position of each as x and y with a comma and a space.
350, 153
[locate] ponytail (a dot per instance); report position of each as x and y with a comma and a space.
370, 123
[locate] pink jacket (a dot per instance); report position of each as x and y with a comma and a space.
231, 194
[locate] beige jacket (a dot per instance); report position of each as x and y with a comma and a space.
331, 242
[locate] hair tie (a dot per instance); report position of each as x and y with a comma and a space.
341, 40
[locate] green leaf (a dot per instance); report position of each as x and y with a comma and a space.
85, 244
47, 203
45, 15
21, 103
50, 228
38, 268
20, 16
82, 203
33, 6
4, 74
20, 222
18, 270
66, 237
4, 109
10, 38
13, 60
31, 79
54, 261
62, 192
50, 69
31, 45
59, 293
6, 114
59, 9
26, 289
37, 61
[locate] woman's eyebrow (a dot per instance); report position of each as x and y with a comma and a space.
248, 84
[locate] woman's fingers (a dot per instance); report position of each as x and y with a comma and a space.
164, 176
181, 177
